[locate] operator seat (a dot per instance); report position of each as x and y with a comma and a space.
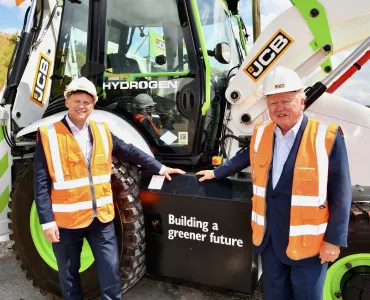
120, 63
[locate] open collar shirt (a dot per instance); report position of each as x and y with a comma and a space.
282, 147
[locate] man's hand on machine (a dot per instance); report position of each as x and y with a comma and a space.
206, 175
169, 171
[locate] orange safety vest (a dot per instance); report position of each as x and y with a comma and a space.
79, 191
309, 212
140, 119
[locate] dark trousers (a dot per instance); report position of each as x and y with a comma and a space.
285, 282
103, 243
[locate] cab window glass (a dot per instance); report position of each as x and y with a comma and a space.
147, 68
71, 50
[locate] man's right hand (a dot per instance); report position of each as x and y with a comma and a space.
52, 234
207, 175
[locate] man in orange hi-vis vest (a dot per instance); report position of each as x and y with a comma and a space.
301, 191
144, 106
73, 166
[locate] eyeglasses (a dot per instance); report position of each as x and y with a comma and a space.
80, 103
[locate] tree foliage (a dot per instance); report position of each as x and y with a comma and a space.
7, 44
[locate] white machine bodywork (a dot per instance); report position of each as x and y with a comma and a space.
118, 126
349, 22
29, 110
5, 182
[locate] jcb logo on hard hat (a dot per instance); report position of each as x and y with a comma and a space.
269, 54
41, 80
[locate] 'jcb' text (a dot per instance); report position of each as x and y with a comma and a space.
40, 81
268, 55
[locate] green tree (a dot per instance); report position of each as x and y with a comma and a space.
13, 38
6, 50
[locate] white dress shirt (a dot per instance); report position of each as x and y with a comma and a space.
283, 145
82, 137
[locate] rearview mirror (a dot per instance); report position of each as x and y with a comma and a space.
221, 53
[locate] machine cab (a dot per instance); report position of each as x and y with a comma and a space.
156, 64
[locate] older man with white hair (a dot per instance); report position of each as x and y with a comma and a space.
301, 191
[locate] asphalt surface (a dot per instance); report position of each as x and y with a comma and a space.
15, 286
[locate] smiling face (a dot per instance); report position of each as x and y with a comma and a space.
285, 109
80, 105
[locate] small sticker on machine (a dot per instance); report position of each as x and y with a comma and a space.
168, 138
183, 138
156, 183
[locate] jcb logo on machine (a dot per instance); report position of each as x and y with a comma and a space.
269, 54
41, 80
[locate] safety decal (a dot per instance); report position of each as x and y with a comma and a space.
183, 138
40, 82
168, 137
268, 55
160, 44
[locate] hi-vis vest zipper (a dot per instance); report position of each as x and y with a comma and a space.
79, 191
309, 212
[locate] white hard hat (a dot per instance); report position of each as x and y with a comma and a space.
281, 80
82, 84
143, 100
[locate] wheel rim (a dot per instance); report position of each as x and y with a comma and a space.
45, 249
334, 280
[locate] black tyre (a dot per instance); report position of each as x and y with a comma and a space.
129, 225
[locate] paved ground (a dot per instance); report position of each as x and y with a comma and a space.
15, 286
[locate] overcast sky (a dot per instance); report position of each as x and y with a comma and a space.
357, 88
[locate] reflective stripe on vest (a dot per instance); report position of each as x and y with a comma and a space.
309, 211
258, 164
71, 195
81, 205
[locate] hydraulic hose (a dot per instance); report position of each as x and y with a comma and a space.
18, 68
21, 57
